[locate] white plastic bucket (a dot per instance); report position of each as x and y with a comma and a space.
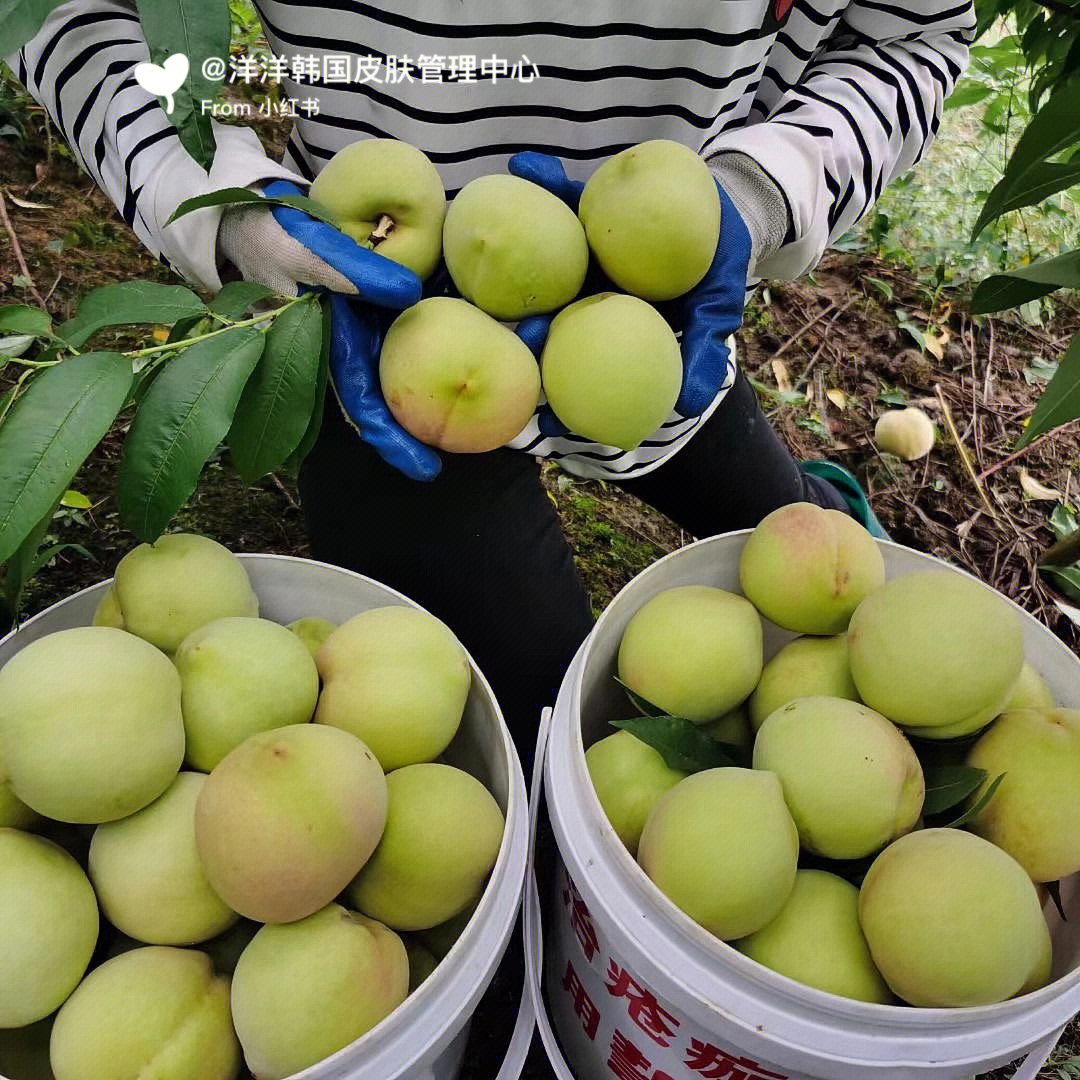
638, 991
424, 1038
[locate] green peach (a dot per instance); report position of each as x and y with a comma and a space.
287, 819
816, 939
952, 920
693, 651
148, 876
155, 1011
733, 728
628, 776
1030, 692
389, 198
611, 369
722, 846
239, 676
422, 962
851, 781
302, 991
48, 927
440, 939
807, 569
442, 837
935, 652
805, 667
164, 590
652, 218
455, 378
90, 724
513, 248
398, 679
312, 631
1034, 814
224, 950
14, 813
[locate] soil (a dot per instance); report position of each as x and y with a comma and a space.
834, 336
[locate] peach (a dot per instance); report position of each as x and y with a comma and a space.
286, 820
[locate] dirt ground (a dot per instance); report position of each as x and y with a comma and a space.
833, 338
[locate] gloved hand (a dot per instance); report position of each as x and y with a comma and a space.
707, 315
290, 251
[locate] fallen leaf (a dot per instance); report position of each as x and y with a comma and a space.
27, 205
963, 530
837, 398
1070, 612
160, 333
780, 373
1036, 491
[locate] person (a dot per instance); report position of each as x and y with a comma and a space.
803, 109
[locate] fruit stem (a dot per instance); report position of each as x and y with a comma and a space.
183, 343
383, 228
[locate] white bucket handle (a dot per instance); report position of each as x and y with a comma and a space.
1037, 1058
533, 931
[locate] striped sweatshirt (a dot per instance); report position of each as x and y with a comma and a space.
832, 98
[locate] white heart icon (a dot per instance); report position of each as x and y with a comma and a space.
165, 79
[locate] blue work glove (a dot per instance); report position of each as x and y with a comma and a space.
707, 315
357, 325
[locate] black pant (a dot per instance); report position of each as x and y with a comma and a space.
480, 547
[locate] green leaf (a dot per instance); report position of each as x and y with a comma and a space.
1043, 179
200, 30
679, 742
23, 319
75, 500
46, 555
1060, 401
948, 785
889, 395
21, 566
190, 325
976, 808
236, 297
62, 415
1066, 579
183, 417
647, 708
1063, 521
1015, 287
1052, 129
232, 196
1039, 371
968, 93
1054, 889
134, 302
20, 20
315, 422
276, 405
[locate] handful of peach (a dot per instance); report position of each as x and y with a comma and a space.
611, 368
892, 785
230, 772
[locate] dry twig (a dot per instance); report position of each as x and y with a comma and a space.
947, 412
17, 249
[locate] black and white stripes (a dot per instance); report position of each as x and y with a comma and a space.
834, 104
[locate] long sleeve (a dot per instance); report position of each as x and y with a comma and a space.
863, 111
79, 67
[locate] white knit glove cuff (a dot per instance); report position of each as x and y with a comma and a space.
262, 251
759, 201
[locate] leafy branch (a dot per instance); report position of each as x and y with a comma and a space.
253, 381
